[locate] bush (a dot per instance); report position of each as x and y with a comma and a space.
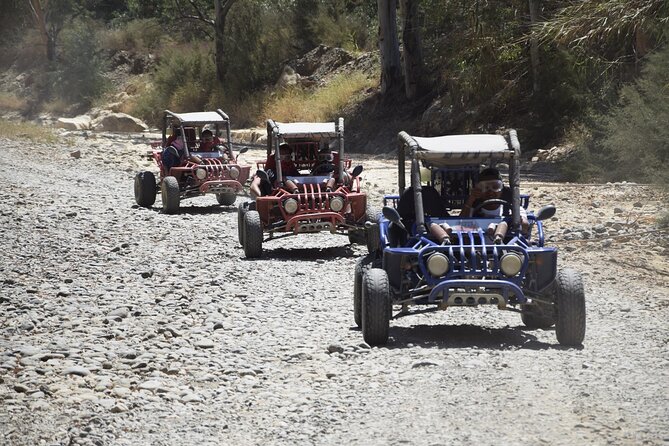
137, 35
78, 75
635, 132
23, 131
182, 82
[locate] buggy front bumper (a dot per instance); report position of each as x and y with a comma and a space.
476, 292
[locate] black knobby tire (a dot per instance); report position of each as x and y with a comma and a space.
145, 189
376, 306
372, 233
570, 301
170, 195
361, 267
226, 198
356, 237
253, 235
538, 315
241, 210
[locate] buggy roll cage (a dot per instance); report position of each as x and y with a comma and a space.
278, 131
218, 118
458, 150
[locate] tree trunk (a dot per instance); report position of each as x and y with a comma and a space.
534, 44
391, 75
413, 51
221, 10
49, 39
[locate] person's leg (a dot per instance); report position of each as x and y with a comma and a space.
254, 188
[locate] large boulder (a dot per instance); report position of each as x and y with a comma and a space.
118, 122
81, 122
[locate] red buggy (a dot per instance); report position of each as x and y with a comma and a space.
197, 171
318, 203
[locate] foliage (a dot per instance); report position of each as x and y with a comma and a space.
340, 23
256, 44
183, 82
144, 35
635, 132
79, 72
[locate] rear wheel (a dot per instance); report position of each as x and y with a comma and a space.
570, 302
241, 210
145, 189
376, 306
226, 198
252, 235
170, 195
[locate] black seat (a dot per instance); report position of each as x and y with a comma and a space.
432, 204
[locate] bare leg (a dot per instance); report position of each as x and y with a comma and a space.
329, 186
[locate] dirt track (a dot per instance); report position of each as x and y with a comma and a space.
125, 326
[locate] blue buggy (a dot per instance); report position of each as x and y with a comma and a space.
497, 260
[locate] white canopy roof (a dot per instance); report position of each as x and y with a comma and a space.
460, 149
306, 129
199, 118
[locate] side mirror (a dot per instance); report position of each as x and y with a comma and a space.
243, 150
393, 216
357, 170
545, 212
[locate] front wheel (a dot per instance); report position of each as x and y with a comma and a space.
226, 198
253, 235
170, 195
145, 189
570, 302
372, 235
376, 307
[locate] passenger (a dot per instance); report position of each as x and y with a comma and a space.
260, 187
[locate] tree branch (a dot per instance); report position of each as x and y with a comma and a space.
200, 17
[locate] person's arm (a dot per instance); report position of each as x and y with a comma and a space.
467, 207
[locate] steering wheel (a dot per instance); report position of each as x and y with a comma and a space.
497, 201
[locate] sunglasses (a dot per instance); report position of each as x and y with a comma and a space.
490, 185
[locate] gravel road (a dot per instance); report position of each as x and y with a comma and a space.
124, 326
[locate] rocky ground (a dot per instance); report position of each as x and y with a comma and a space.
124, 326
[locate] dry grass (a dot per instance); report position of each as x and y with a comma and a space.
11, 102
324, 104
27, 131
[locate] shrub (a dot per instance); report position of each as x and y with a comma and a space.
183, 81
635, 132
79, 71
136, 35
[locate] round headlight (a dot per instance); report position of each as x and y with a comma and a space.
290, 205
336, 204
437, 264
511, 263
234, 173
201, 173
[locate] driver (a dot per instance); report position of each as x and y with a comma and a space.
490, 187
325, 166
